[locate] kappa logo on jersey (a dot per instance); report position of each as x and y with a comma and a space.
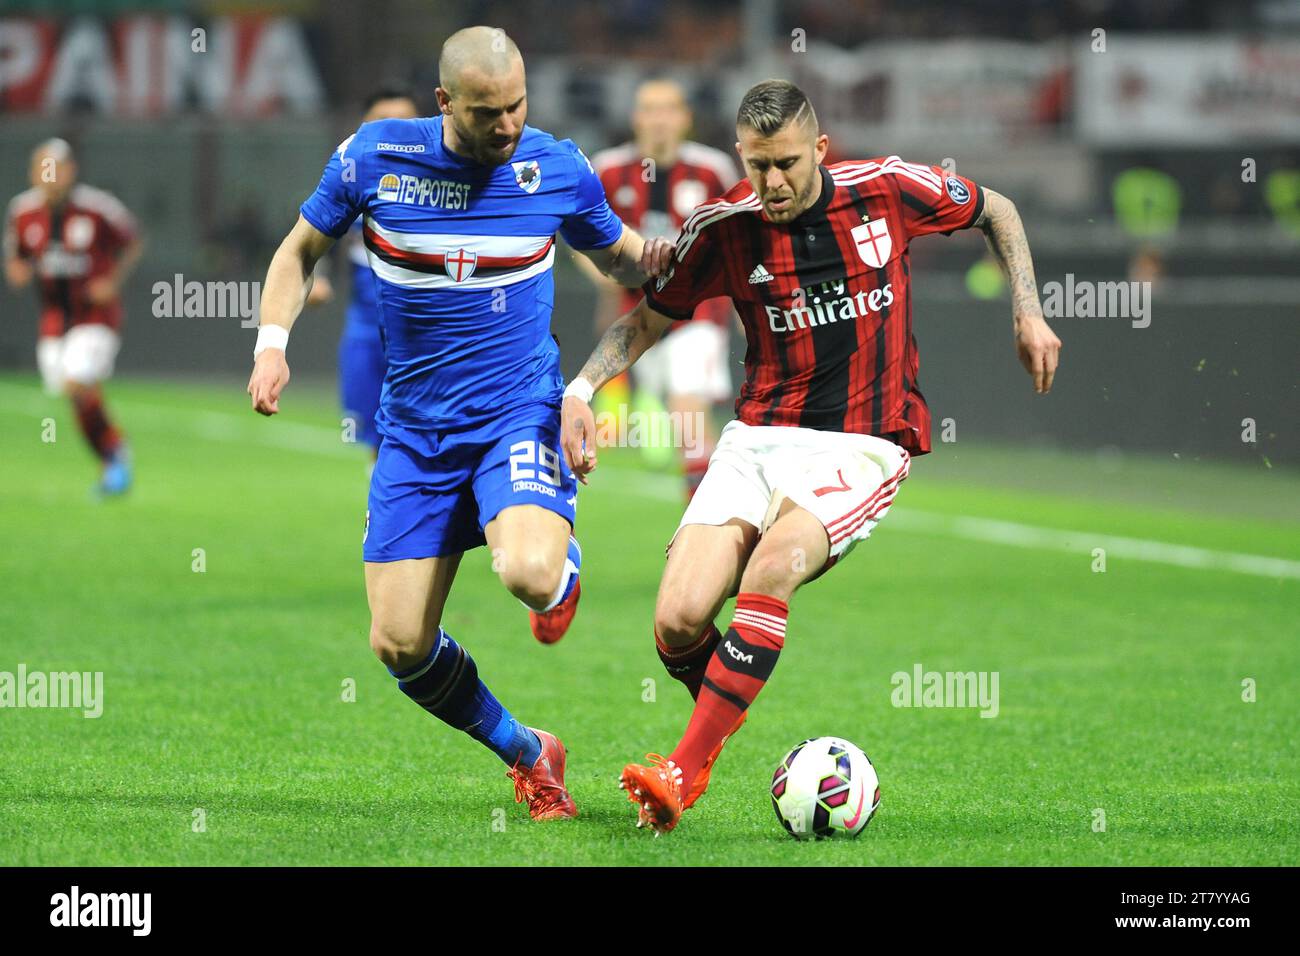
957, 190
400, 147
528, 175
760, 275
461, 264
873, 241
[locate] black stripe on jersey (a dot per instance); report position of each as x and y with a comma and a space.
62, 287
819, 259
754, 226
657, 201
923, 208
882, 277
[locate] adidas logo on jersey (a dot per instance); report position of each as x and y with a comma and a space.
760, 275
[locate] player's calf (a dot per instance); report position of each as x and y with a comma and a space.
685, 650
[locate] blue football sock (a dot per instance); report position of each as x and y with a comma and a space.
447, 685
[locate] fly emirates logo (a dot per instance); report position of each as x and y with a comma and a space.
826, 303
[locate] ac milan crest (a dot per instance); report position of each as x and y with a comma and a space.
873, 242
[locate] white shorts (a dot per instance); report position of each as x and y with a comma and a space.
846, 481
84, 354
691, 360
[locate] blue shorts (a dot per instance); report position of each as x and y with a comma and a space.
361, 377
424, 506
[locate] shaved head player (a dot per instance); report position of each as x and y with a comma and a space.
459, 216
815, 259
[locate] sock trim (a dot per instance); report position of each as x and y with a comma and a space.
726, 695
675, 654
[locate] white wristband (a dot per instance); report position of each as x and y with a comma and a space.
580, 389
270, 337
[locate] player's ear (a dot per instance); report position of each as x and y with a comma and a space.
822, 145
444, 101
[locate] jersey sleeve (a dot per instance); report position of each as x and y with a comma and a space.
336, 202
122, 226
934, 200
591, 224
696, 274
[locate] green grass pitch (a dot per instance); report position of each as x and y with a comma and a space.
1119, 691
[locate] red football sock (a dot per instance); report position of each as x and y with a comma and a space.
687, 664
740, 667
95, 426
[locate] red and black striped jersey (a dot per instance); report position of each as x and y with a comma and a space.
69, 245
656, 202
825, 299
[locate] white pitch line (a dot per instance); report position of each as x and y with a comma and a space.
317, 440
1015, 534
1018, 535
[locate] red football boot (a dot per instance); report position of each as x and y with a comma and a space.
550, 626
657, 792
542, 784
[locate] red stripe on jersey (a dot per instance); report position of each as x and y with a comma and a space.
438, 260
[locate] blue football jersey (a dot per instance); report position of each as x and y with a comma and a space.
363, 306
461, 255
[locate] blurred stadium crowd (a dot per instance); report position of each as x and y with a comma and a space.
1145, 140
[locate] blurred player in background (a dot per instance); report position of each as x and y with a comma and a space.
816, 260
361, 348
654, 183
80, 244
460, 214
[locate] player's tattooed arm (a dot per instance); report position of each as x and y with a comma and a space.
1036, 344
622, 345
630, 260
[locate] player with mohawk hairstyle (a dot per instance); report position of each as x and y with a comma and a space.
815, 259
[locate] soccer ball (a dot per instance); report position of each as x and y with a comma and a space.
825, 787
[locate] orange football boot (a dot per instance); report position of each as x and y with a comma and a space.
542, 784
657, 792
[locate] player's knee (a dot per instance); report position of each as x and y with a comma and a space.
396, 645
679, 622
531, 577
774, 573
